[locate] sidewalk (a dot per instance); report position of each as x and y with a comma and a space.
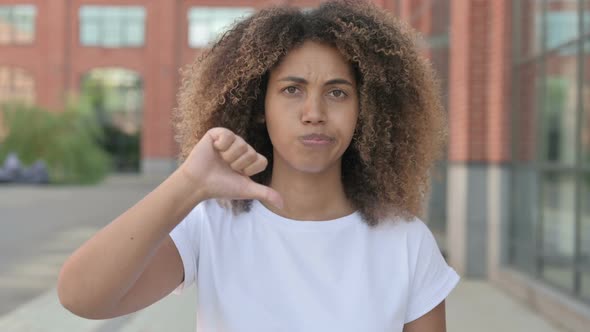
473, 306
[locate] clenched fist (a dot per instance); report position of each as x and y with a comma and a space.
221, 163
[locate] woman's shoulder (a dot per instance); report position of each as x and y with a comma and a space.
414, 232
210, 208
413, 226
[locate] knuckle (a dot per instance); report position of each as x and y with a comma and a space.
251, 155
242, 148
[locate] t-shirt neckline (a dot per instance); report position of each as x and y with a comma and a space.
311, 225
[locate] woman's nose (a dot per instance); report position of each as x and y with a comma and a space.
313, 111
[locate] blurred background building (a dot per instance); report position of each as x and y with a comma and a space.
511, 201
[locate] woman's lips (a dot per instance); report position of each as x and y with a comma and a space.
316, 140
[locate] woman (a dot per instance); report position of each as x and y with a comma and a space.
346, 113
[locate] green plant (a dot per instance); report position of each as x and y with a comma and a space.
66, 141
104, 99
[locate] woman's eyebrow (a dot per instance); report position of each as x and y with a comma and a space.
301, 80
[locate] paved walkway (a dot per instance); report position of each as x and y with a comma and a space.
473, 305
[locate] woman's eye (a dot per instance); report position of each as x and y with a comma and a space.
290, 90
338, 93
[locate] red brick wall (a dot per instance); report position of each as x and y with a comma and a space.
480, 72
57, 61
499, 69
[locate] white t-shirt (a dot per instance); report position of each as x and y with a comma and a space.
258, 271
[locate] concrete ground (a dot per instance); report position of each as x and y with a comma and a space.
473, 306
63, 217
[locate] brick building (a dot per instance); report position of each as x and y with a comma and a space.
510, 204
516, 182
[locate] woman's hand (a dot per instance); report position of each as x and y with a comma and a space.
222, 162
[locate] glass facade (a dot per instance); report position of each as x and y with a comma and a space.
112, 26
206, 23
550, 213
17, 24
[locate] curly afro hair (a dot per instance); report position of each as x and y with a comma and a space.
401, 128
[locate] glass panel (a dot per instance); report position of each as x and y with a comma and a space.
531, 15
17, 24
112, 26
524, 219
562, 23
558, 228
207, 23
558, 112
24, 24
111, 31
89, 33
134, 34
585, 290
136, 14
5, 24
584, 261
87, 12
525, 144
585, 130
198, 34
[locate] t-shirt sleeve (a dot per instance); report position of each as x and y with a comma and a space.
431, 279
187, 238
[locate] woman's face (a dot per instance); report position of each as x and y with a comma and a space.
311, 108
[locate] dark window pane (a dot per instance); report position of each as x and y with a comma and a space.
559, 109
526, 113
585, 290
584, 259
525, 218
558, 208
585, 130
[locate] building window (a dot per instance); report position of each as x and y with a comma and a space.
17, 24
207, 23
112, 26
16, 85
550, 217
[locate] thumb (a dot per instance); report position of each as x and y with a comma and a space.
265, 193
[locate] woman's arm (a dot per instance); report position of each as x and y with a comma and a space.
98, 276
433, 321
132, 262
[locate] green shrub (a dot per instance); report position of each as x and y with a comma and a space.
66, 141
122, 147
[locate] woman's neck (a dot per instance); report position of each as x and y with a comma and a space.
310, 196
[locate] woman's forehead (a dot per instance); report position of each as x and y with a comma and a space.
313, 59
